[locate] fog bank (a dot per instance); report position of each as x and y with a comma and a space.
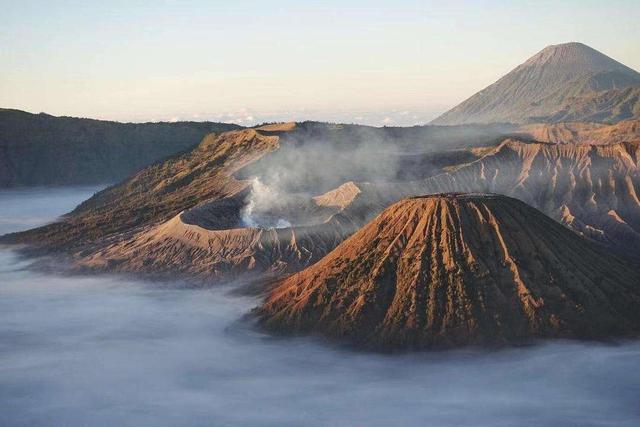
114, 351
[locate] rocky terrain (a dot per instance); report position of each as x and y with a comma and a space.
591, 188
456, 269
290, 205
565, 82
223, 166
187, 215
43, 150
212, 255
217, 213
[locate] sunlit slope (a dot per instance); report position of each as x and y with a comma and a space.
457, 269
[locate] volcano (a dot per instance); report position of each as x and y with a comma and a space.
562, 82
455, 269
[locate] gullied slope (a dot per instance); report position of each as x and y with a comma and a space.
188, 214
454, 269
198, 245
591, 188
547, 86
39, 149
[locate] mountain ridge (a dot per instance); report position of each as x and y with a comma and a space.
585, 176
45, 150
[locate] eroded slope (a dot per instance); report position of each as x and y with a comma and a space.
450, 270
591, 188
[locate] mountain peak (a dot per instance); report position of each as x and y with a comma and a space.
547, 83
578, 56
568, 46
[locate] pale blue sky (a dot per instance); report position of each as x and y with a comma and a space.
399, 62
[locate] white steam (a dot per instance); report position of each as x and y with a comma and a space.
261, 202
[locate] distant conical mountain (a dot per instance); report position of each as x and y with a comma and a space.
456, 269
557, 83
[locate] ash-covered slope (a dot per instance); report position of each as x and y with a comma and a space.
255, 201
568, 81
591, 188
159, 192
197, 245
457, 269
217, 255
172, 221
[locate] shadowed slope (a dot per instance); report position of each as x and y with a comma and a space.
43, 150
450, 270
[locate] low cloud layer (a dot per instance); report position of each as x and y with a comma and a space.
105, 350
108, 351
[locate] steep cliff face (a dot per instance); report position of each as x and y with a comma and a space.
562, 82
456, 269
43, 150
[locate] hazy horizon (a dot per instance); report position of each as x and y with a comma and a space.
252, 62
